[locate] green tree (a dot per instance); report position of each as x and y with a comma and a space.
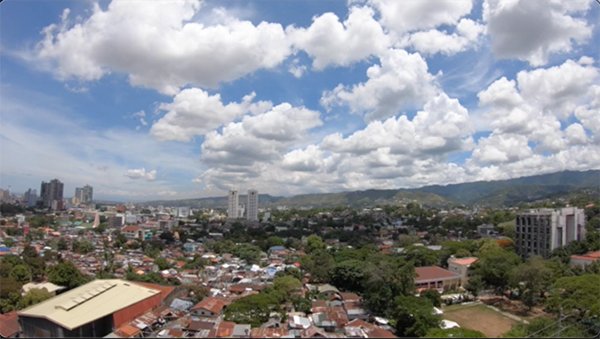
248, 252
319, 264
433, 296
453, 333
387, 278
421, 256
62, 244
495, 265
37, 264
349, 275
414, 316
66, 274
254, 309
162, 263
532, 278
314, 243
575, 296
34, 296
83, 246
21, 274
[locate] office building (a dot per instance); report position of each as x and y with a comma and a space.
233, 204
52, 194
252, 205
84, 195
539, 232
30, 197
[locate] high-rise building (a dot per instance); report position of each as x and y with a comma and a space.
233, 204
30, 197
52, 194
252, 206
539, 232
85, 194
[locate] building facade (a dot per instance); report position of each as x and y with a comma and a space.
85, 194
252, 206
30, 197
233, 204
539, 232
52, 194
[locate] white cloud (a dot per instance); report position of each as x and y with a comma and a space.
502, 148
331, 42
402, 81
442, 126
141, 173
409, 15
262, 137
541, 101
532, 30
159, 46
194, 112
434, 41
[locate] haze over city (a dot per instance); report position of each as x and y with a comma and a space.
179, 99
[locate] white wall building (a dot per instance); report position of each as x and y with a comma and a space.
539, 232
252, 206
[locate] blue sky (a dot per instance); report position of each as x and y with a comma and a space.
179, 99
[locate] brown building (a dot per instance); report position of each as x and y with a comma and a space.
435, 277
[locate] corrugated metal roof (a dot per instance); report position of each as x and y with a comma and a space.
89, 302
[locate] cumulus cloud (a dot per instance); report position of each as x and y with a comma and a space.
193, 112
532, 30
442, 126
402, 81
331, 42
262, 137
141, 173
410, 15
539, 103
158, 45
435, 41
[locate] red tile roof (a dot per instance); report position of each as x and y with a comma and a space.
130, 228
225, 329
9, 324
127, 331
591, 256
349, 296
211, 304
464, 261
434, 273
268, 332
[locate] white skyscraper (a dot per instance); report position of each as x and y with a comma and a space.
252, 206
233, 203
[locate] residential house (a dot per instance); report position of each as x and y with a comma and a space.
208, 307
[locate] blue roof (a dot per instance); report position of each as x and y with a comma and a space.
4, 249
277, 248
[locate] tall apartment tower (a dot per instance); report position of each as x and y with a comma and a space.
84, 194
233, 203
30, 198
539, 232
252, 205
52, 194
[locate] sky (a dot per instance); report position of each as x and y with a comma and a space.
172, 99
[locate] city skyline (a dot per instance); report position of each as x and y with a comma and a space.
312, 96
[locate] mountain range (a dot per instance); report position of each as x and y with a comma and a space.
497, 193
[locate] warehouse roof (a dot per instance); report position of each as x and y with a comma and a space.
89, 302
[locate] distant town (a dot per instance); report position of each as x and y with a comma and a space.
71, 267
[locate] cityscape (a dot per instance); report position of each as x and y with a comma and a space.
300, 169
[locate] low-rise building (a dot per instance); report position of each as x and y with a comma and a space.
208, 307
461, 266
585, 259
435, 277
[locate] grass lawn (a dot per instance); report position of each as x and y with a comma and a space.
480, 318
